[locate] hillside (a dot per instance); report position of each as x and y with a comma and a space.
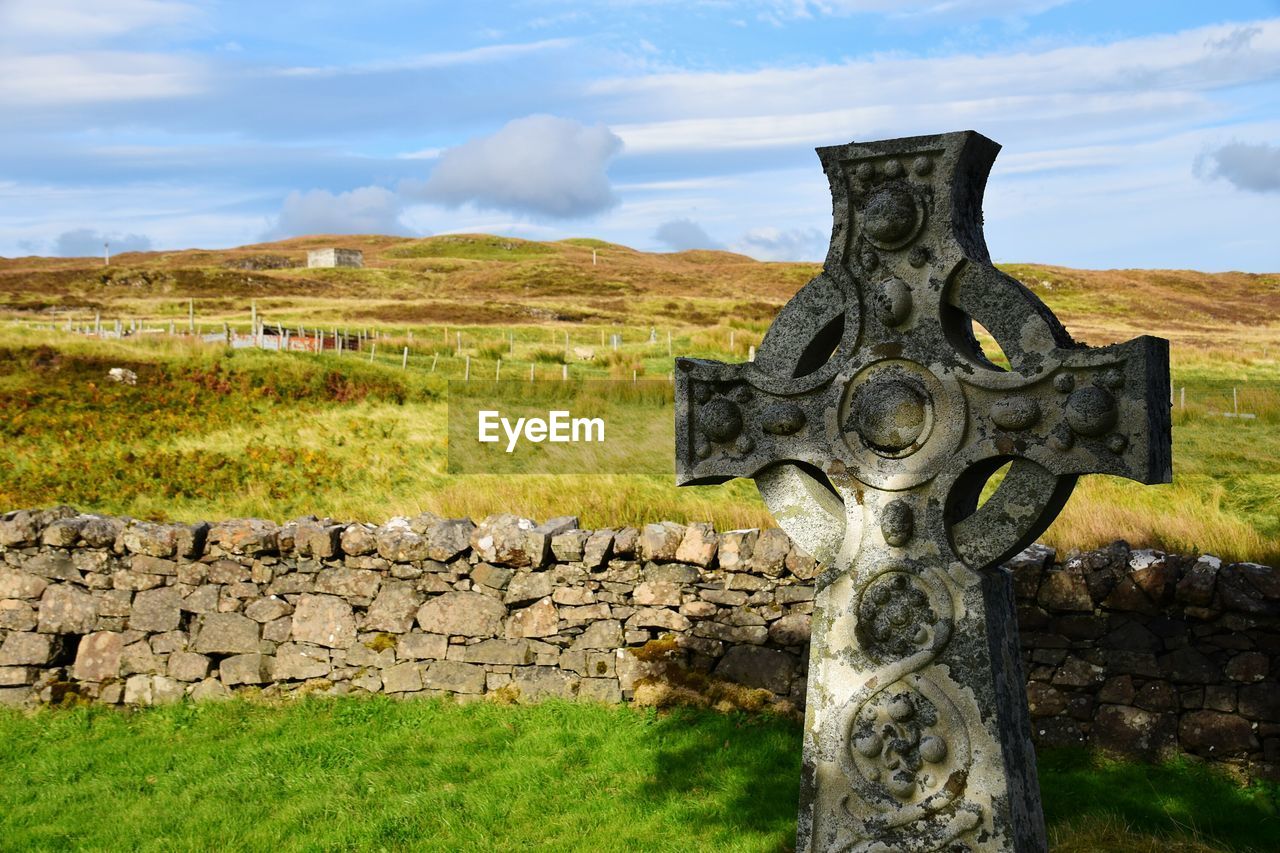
486, 280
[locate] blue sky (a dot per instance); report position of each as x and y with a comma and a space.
1135, 134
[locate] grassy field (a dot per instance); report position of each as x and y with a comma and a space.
210, 432
387, 775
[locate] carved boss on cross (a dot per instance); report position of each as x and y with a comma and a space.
871, 420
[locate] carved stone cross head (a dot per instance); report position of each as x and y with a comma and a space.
871, 420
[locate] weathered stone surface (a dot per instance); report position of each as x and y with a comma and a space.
500, 652
504, 540
358, 585
568, 547
603, 690
100, 532
660, 541
598, 549
98, 657
625, 540
658, 617
1216, 734
126, 579
758, 667
1248, 667
324, 620
321, 541
540, 619
398, 543
536, 683
403, 678
467, 614
166, 691
248, 536
267, 609
538, 540
226, 633
698, 547
448, 537
1261, 702
454, 677
605, 634
156, 540
491, 576
17, 676
1197, 585
53, 566
422, 646
661, 593
187, 666
18, 529
18, 584
358, 539
148, 565
791, 630
64, 610
298, 662
210, 690
62, 533
245, 669
801, 563
17, 615
1123, 728
25, 648
769, 554
137, 690
736, 547
1064, 589
138, 657
394, 609
528, 586
156, 610
203, 599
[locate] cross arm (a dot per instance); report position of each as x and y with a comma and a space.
1097, 411
734, 420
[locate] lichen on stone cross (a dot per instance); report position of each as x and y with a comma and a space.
871, 420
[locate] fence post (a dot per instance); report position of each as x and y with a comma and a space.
404, 359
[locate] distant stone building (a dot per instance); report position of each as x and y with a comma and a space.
335, 258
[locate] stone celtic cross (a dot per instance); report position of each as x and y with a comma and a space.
871, 420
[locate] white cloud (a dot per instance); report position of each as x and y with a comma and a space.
85, 242
366, 210
1249, 167
95, 76
682, 234
77, 20
1140, 85
439, 59
777, 244
55, 52
918, 8
540, 165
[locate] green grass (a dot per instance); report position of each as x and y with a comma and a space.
381, 774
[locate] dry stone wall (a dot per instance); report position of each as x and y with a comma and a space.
1134, 651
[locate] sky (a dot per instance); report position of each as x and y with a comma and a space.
1143, 133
